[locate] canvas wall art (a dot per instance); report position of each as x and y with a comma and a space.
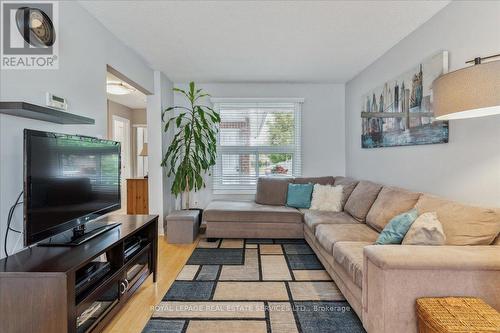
399, 113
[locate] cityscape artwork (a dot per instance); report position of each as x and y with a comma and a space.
399, 113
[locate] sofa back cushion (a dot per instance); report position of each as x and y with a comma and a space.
462, 224
272, 190
361, 199
326, 180
348, 185
390, 202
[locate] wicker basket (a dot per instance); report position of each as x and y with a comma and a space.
456, 315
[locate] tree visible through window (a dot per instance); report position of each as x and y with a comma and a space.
281, 133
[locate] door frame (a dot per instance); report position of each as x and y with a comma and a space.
128, 148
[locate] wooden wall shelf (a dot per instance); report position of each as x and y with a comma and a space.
32, 111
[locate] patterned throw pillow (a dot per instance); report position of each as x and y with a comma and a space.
426, 230
396, 229
299, 195
327, 198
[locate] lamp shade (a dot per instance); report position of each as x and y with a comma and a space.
144, 150
467, 93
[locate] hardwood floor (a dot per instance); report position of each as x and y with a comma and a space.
135, 314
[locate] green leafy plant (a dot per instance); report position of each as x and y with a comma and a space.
279, 134
193, 149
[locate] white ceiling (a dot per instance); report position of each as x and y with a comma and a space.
262, 41
134, 100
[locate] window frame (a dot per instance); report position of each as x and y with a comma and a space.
295, 149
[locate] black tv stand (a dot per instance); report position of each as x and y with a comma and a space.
40, 290
79, 235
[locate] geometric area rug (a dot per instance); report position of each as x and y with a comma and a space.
253, 286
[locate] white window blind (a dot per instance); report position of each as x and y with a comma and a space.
256, 138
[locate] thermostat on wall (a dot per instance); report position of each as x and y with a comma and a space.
56, 102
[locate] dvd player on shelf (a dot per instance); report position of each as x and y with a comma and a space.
132, 246
91, 274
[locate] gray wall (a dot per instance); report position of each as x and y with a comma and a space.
323, 145
81, 78
468, 167
139, 117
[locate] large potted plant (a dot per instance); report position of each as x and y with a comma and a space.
192, 151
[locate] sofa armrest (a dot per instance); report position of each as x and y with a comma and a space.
395, 276
434, 257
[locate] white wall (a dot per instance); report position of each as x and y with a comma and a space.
323, 135
81, 78
160, 199
468, 167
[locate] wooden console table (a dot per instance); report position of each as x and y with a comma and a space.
137, 196
38, 285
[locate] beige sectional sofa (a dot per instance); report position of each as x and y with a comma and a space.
381, 282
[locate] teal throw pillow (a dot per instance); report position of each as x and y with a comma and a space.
299, 195
396, 229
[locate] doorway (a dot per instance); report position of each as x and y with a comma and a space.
120, 130
127, 124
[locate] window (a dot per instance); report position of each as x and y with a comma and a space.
257, 137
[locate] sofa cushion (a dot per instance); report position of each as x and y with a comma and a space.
349, 255
272, 190
462, 224
348, 185
313, 218
329, 234
327, 198
391, 201
396, 229
249, 211
326, 180
299, 195
426, 230
361, 199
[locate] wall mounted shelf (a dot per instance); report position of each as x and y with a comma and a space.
32, 111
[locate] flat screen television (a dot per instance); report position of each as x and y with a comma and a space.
69, 180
